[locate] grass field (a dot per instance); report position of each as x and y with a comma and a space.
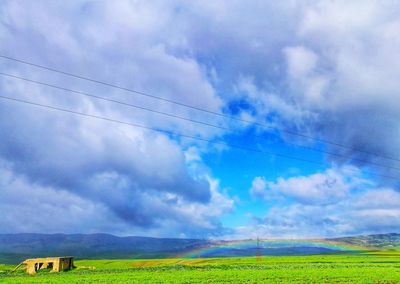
345, 268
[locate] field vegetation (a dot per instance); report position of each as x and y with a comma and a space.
341, 268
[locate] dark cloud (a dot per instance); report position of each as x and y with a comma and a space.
137, 177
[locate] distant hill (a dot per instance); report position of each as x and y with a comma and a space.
17, 247
382, 241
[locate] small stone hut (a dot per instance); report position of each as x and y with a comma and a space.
56, 264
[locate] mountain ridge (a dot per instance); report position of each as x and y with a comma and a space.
16, 247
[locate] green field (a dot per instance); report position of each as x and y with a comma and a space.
345, 268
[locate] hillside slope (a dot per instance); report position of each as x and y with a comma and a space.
16, 247
383, 241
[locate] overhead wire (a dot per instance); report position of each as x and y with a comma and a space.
178, 134
188, 119
259, 124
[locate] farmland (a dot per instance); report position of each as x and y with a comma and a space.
382, 267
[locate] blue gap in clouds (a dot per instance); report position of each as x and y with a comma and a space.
236, 106
236, 169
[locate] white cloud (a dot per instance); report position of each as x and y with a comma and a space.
321, 188
258, 187
336, 202
301, 61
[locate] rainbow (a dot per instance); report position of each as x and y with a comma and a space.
219, 247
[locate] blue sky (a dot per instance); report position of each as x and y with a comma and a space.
322, 69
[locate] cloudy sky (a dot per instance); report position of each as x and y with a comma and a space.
282, 118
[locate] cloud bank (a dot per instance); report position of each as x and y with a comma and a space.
326, 69
337, 202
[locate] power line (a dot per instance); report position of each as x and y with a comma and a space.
177, 134
185, 118
197, 108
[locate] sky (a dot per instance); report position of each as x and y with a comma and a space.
292, 129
